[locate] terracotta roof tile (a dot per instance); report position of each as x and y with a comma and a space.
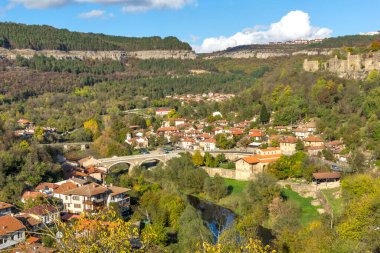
10, 224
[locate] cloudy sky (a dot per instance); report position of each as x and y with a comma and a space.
208, 25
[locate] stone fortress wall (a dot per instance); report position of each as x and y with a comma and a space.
355, 66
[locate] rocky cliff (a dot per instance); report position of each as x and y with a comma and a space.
355, 66
99, 55
269, 51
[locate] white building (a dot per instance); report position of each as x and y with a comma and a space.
12, 232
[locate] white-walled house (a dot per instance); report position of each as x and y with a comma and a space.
12, 232
45, 213
92, 197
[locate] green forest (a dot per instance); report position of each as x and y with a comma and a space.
37, 37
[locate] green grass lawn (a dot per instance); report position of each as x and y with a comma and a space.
236, 185
335, 203
309, 212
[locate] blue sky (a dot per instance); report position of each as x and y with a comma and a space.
198, 21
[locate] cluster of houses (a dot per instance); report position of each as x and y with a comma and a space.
82, 191
297, 42
209, 97
27, 129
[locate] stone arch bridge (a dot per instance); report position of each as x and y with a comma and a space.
135, 160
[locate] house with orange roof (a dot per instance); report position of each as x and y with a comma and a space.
32, 195
94, 196
46, 188
208, 144
313, 141
44, 213
188, 143
12, 231
248, 167
5, 208
288, 145
163, 111
256, 135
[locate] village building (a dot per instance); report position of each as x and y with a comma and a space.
325, 177
163, 111
313, 141
188, 144
5, 208
32, 224
301, 133
208, 145
12, 232
24, 123
248, 167
32, 195
288, 145
46, 188
92, 197
45, 213
138, 142
256, 135
88, 162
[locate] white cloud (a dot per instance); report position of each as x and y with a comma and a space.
127, 5
144, 5
294, 25
40, 4
95, 14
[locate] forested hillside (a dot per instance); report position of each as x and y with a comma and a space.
38, 37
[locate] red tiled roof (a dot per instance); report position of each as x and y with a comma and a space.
270, 149
10, 224
65, 187
32, 240
4, 205
87, 190
32, 195
163, 110
326, 175
188, 140
313, 139
209, 140
41, 210
167, 129
289, 139
251, 159
42, 186
70, 216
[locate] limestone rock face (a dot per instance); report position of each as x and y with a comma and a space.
99, 55
268, 53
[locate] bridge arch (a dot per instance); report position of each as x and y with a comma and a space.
158, 160
130, 166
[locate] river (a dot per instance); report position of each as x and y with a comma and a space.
218, 218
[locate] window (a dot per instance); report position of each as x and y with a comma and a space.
77, 206
75, 197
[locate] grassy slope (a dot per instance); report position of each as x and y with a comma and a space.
335, 203
236, 186
309, 212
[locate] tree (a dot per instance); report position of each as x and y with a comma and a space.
198, 159
91, 125
209, 160
104, 232
215, 187
251, 246
153, 236
193, 232
39, 134
264, 115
